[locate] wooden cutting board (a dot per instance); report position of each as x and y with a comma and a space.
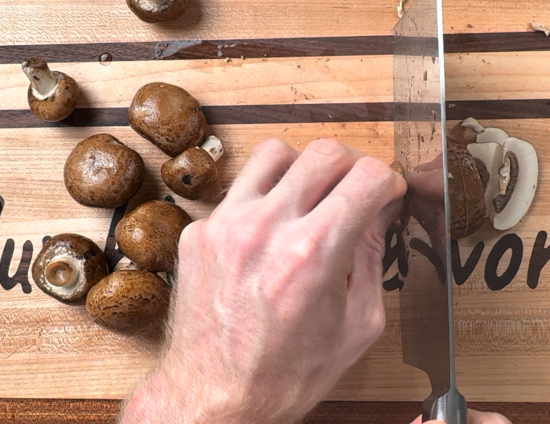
297, 70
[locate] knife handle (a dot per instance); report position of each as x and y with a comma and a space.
449, 408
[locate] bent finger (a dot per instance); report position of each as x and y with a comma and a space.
268, 162
354, 203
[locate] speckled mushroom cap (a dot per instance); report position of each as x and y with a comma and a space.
149, 235
192, 175
168, 116
129, 301
466, 193
102, 172
152, 11
52, 96
68, 266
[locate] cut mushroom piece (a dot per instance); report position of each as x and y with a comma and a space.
492, 135
193, 174
152, 11
513, 173
68, 266
489, 161
473, 124
518, 183
52, 96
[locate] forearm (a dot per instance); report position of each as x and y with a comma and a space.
171, 395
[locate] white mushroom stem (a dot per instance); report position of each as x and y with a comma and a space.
42, 79
61, 272
473, 124
213, 147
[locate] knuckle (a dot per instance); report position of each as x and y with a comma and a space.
331, 149
372, 168
271, 145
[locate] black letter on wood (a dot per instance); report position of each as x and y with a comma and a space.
509, 241
462, 273
21, 276
421, 247
113, 255
394, 252
539, 257
393, 283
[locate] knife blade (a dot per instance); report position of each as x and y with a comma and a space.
426, 300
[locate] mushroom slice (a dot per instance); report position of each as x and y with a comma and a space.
518, 183
68, 266
488, 157
492, 135
52, 96
473, 124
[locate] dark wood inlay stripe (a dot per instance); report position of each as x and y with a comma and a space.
297, 113
202, 49
258, 48
69, 411
254, 114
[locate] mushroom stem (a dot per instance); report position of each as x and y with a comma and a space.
42, 79
61, 273
213, 147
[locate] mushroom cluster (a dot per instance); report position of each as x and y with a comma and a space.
490, 175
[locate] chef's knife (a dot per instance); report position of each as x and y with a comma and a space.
426, 301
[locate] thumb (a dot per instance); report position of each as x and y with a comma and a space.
419, 421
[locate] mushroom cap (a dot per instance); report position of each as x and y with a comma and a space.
129, 301
149, 235
157, 11
63, 254
193, 174
102, 172
59, 103
168, 116
401, 222
466, 192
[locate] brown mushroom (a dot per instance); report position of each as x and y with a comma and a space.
68, 266
129, 301
168, 116
51, 95
102, 172
466, 192
149, 234
401, 222
193, 174
152, 11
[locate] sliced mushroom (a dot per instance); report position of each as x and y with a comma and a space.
52, 96
401, 222
512, 165
168, 116
466, 192
149, 234
68, 266
102, 172
152, 11
193, 174
129, 301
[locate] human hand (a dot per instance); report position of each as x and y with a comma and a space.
475, 417
279, 289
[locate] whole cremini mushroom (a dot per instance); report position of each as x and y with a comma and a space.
68, 266
193, 174
149, 234
52, 96
129, 301
152, 11
102, 172
168, 116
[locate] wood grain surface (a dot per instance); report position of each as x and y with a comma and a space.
299, 79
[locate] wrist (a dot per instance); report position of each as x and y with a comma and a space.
173, 394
